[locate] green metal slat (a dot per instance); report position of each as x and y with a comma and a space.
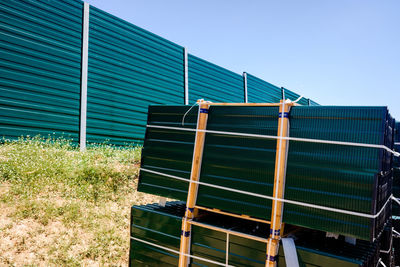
260, 91
213, 83
129, 68
40, 47
162, 226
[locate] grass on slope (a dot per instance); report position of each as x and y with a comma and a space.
60, 206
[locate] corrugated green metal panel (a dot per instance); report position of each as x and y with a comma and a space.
162, 225
260, 91
40, 47
313, 103
213, 83
129, 68
313, 172
161, 145
396, 171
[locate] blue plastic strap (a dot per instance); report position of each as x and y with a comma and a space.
191, 209
204, 110
186, 234
275, 232
283, 114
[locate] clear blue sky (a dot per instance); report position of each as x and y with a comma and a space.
337, 52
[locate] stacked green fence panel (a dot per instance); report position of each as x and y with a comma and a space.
162, 226
129, 68
341, 177
260, 91
396, 171
40, 48
213, 83
168, 151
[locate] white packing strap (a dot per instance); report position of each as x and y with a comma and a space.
289, 249
390, 246
396, 200
348, 212
309, 140
183, 118
381, 262
178, 252
396, 233
298, 99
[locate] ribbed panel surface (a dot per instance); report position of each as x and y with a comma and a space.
129, 68
213, 83
168, 151
342, 177
40, 57
162, 225
260, 91
396, 172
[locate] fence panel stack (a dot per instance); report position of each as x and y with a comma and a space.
342, 190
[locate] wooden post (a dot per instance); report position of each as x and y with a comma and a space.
194, 176
279, 185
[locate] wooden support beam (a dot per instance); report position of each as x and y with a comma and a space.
279, 185
193, 187
252, 104
246, 104
241, 216
236, 233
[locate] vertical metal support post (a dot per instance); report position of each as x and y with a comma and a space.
186, 71
246, 100
193, 187
309, 102
84, 77
283, 93
279, 185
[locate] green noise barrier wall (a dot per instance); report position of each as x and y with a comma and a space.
343, 177
40, 59
396, 172
162, 226
42, 77
128, 69
213, 83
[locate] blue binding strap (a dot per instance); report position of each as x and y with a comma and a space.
204, 110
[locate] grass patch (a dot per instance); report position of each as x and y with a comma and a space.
61, 206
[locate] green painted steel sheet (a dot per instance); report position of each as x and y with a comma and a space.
213, 83
260, 91
40, 51
162, 226
129, 68
396, 172
341, 177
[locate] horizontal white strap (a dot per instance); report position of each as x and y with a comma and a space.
397, 154
178, 252
396, 200
273, 198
